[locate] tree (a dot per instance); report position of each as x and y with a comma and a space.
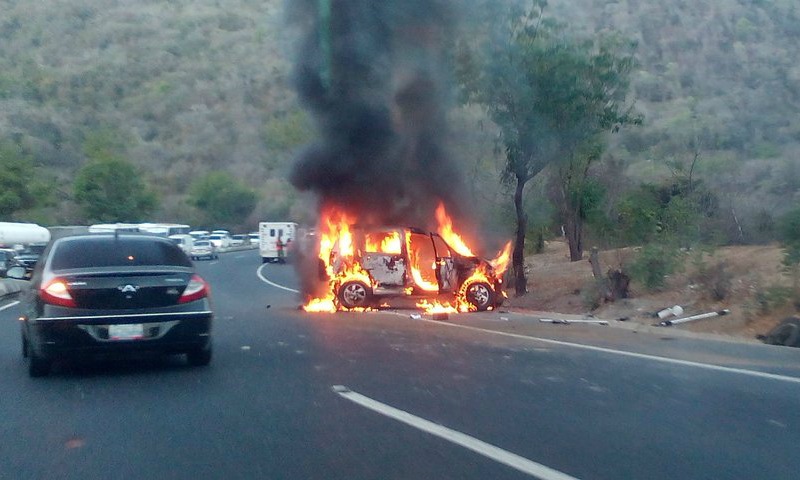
790, 237
551, 96
17, 178
26, 190
223, 199
110, 189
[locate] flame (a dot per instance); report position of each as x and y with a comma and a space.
417, 273
384, 243
436, 307
340, 256
340, 266
446, 231
501, 260
321, 305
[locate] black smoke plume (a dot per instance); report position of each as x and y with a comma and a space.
374, 75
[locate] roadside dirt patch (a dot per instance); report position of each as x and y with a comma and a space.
756, 288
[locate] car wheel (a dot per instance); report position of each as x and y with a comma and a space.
480, 294
354, 294
38, 366
199, 357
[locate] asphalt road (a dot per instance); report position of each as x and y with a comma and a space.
384, 396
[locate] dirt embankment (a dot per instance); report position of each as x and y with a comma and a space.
756, 294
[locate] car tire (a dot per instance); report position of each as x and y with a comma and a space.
200, 357
354, 294
38, 366
480, 295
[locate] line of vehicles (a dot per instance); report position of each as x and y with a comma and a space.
25, 242
113, 290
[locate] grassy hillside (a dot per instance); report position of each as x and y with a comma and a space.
192, 86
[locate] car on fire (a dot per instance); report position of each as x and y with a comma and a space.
378, 263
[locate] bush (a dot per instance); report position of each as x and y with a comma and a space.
653, 264
773, 298
790, 238
716, 280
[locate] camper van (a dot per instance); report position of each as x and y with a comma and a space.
185, 241
269, 234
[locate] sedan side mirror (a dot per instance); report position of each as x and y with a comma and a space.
17, 272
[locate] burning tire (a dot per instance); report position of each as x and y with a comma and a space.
479, 294
354, 294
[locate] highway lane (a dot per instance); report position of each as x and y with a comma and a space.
266, 408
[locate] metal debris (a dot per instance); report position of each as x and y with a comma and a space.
562, 321
669, 323
675, 311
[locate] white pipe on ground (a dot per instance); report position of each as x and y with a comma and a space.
668, 323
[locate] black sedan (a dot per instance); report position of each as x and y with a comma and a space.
107, 293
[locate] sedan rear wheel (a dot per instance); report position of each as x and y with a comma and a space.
200, 357
38, 366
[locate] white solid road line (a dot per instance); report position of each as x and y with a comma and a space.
478, 446
266, 280
5, 307
644, 356
674, 361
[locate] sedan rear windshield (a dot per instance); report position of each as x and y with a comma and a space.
111, 252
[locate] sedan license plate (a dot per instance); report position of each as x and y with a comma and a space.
132, 331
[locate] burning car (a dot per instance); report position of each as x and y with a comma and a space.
399, 262
365, 265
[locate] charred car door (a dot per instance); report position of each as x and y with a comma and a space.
446, 273
383, 259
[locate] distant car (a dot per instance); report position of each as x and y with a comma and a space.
30, 255
8, 259
254, 238
111, 293
239, 240
220, 240
203, 249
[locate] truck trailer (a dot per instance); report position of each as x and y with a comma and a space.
269, 236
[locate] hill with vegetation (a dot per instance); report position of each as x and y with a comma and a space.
183, 89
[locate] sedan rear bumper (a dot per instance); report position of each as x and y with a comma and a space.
173, 332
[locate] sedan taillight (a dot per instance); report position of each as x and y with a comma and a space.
197, 289
55, 292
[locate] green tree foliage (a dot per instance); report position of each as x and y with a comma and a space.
551, 94
112, 190
223, 200
24, 188
16, 178
790, 237
673, 213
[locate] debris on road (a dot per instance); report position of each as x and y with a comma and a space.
669, 323
415, 316
675, 311
562, 321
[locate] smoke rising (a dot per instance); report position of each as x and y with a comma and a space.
374, 75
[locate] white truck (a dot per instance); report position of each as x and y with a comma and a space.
22, 233
269, 234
